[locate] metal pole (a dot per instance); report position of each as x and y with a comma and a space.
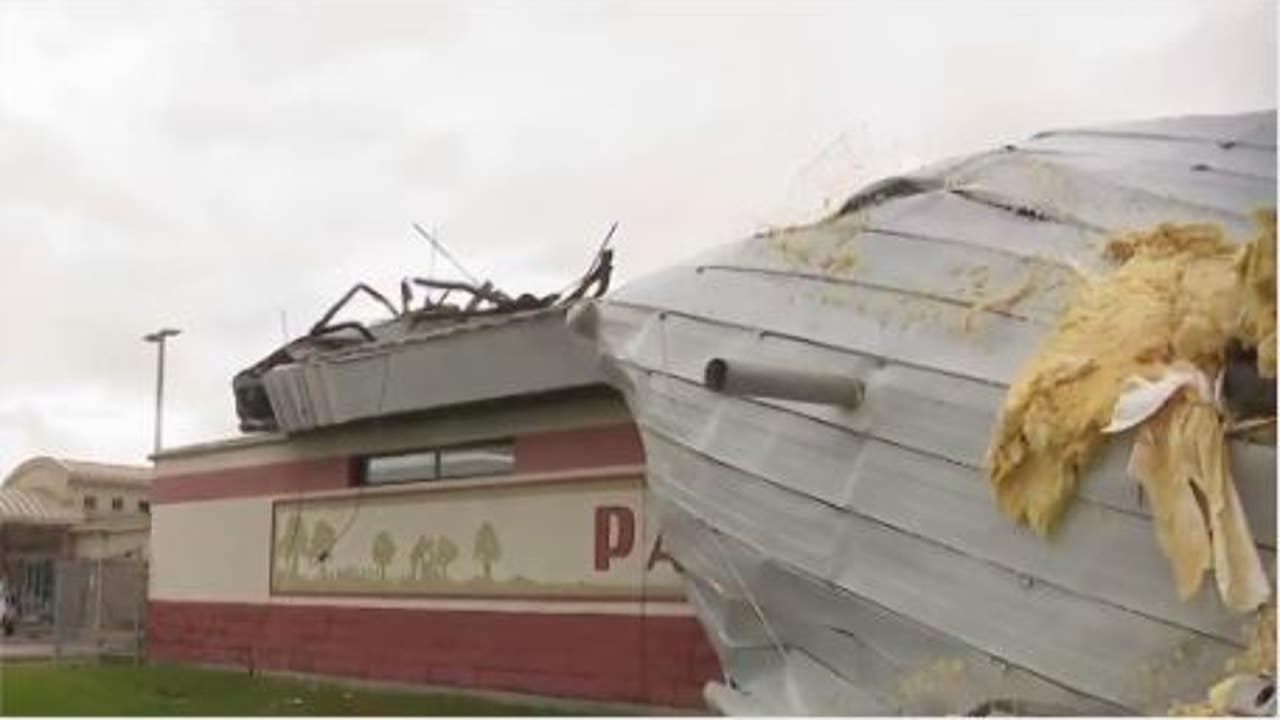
159, 338
159, 390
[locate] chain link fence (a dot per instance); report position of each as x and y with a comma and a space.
99, 607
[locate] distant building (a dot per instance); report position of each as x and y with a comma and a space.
53, 509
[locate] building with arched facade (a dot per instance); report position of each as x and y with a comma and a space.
53, 508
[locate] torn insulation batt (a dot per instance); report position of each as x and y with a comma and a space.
1179, 295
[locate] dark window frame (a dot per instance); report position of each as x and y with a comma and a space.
361, 463
90, 502
144, 507
117, 504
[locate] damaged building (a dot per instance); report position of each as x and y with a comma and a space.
454, 496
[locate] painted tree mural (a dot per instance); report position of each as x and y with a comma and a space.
487, 550
446, 552
420, 558
293, 542
323, 538
384, 549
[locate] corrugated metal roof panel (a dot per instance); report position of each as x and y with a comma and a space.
1048, 209
25, 507
482, 359
882, 510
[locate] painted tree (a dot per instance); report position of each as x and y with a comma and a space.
293, 542
323, 538
487, 550
419, 557
384, 549
446, 552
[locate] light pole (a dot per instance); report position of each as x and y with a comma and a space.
158, 337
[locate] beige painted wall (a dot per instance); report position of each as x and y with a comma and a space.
220, 550
212, 550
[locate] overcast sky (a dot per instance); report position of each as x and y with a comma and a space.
212, 166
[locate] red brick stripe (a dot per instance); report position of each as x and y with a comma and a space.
273, 479
554, 451
656, 660
579, 448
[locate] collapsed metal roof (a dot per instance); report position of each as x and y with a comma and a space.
849, 560
297, 387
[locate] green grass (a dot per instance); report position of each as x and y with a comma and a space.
127, 689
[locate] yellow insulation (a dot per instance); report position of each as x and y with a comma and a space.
1176, 296
1177, 293
1258, 270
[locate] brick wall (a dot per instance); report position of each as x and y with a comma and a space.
659, 660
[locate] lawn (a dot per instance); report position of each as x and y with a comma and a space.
128, 689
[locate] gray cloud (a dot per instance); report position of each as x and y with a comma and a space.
210, 165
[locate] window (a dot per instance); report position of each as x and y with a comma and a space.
489, 459
144, 507
493, 458
90, 502
400, 468
117, 503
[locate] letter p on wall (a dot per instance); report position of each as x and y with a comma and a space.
615, 533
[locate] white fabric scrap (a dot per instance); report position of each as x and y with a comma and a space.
1140, 398
1242, 581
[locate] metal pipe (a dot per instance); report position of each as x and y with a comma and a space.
738, 377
